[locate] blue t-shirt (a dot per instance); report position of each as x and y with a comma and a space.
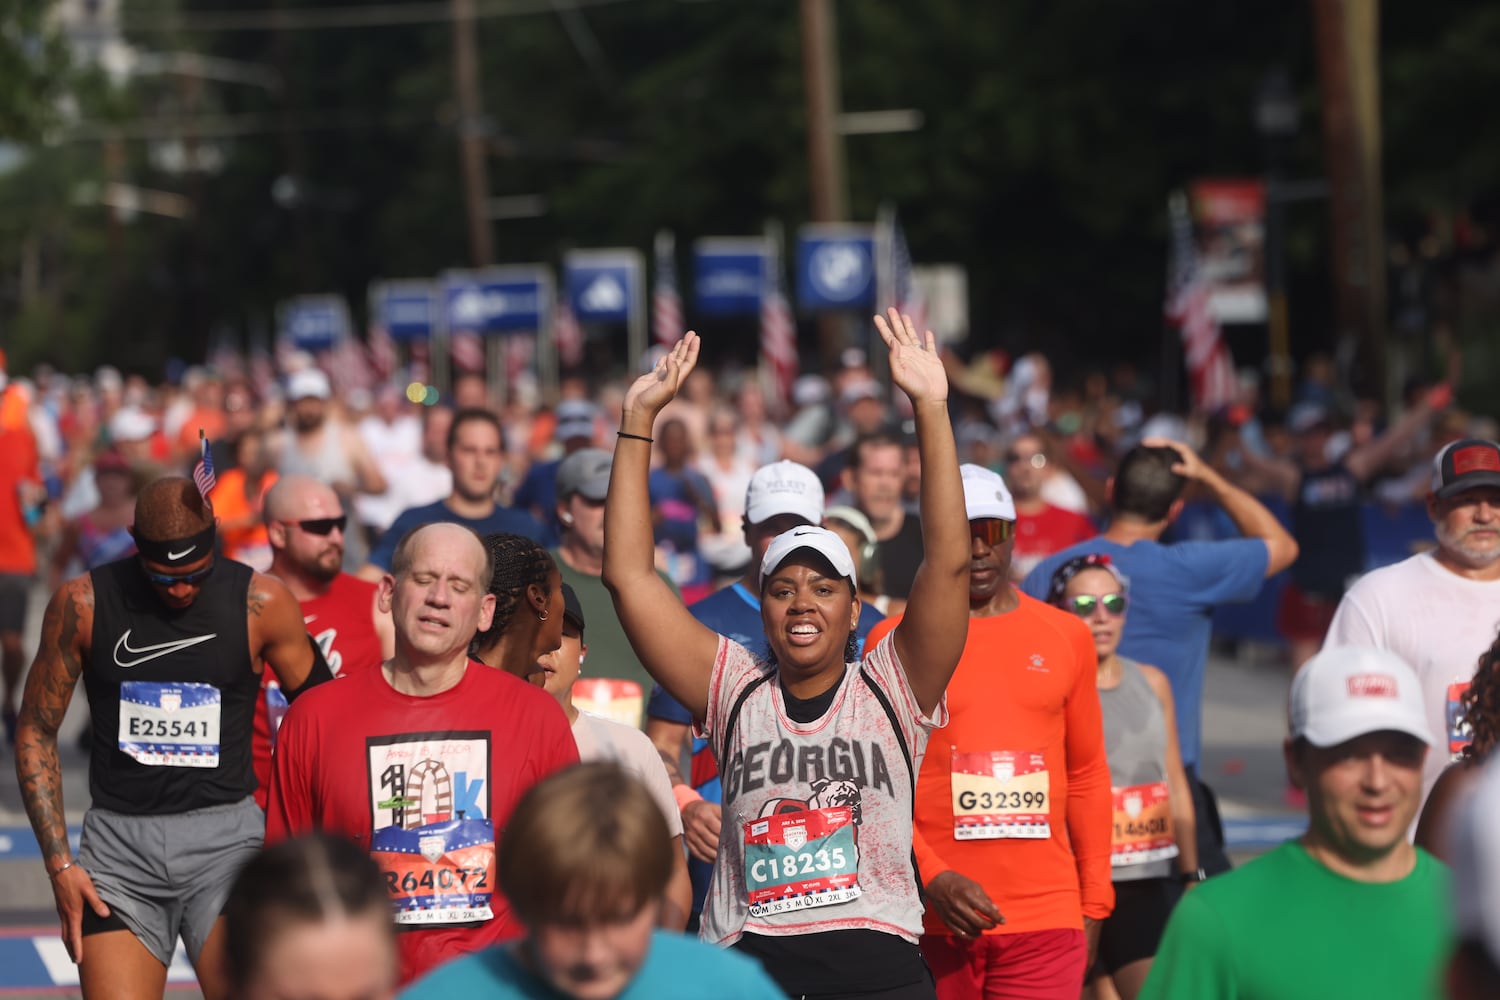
537, 494
733, 612
675, 499
1173, 591
502, 519
676, 968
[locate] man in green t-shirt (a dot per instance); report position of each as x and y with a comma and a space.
1352, 909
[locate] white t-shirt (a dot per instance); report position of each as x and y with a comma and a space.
599, 738
1435, 620
817, 827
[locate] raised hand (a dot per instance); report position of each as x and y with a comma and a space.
915, 364
656, 388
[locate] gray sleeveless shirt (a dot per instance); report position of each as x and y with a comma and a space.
1135, 738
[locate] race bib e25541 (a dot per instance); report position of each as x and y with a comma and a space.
170, 725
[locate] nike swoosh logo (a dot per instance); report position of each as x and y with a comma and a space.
174, 556
152, 652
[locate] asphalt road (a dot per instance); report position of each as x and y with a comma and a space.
1244, 720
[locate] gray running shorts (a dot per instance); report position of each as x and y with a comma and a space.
15, 593
168, 876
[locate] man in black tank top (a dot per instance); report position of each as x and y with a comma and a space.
170, 644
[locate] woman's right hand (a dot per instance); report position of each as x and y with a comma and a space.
656, 388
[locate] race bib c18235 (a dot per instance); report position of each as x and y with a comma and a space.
170, 725
1000, 794
799, 860
433, 835
1143, 825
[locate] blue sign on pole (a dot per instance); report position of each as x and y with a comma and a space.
836, 267
729, 275
495, 301
315, 322
407, 310
602, 286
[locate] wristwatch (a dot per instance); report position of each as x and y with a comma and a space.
1196, 875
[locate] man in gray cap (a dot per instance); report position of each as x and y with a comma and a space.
582, 482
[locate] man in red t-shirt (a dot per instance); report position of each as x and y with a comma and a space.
305, 524
1041, 528
421, 760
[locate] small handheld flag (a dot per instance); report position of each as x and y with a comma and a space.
203, 472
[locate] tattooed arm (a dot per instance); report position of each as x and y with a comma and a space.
279, 637
66, 634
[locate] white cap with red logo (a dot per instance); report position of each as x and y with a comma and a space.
1349, 691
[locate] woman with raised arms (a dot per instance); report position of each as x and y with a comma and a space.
818, 749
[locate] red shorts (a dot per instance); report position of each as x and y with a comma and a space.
1304, 616
1033, 965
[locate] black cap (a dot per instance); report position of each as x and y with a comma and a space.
572, 609
1465, 465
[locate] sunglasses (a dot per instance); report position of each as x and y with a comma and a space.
991, 530
191, 579
322, 525
1036, 459
1084, 604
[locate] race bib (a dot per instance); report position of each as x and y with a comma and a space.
1143, 825
170, 725
1460, 735
1000, 794
434, 838
440, 873
610, 697
800, 860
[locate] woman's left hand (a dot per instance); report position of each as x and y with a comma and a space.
656, 388
915, 364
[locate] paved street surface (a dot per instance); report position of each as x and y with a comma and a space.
1243, 725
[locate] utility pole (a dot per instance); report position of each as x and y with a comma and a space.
1348, 63
471, 131
825, 144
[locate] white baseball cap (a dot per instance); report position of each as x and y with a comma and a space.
1474, 855
1349, 691
308, 382
985, 494
784, 488
808, 536
131, 423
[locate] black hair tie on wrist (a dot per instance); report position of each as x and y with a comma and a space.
634, 437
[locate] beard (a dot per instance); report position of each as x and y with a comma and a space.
1475, 555
324, 566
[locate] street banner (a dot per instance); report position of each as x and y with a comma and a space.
607, 286
835, 267
729, 275
407, 310
313, 323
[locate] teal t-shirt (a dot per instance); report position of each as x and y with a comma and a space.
1284, 927
676, 968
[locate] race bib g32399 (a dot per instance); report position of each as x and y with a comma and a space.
800, 860
170, 725
1000, 794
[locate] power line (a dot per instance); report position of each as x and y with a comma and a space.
317, 18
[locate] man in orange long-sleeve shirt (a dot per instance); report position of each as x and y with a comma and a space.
1013, 809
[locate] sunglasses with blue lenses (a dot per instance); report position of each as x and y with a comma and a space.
191, 579
1083, 605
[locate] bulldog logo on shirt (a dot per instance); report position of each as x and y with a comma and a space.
827, 794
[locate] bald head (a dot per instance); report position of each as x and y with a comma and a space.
301, 498
406, 549
171, 508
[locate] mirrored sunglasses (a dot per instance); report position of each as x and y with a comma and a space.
1084, 604
191, 579
991, 530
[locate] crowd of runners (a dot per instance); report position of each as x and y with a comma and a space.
888, 692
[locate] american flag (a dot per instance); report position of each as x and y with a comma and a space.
467, 351
909, 299
384, 358
666, 304
778, 331
203, 472
1189, 307
567, 335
